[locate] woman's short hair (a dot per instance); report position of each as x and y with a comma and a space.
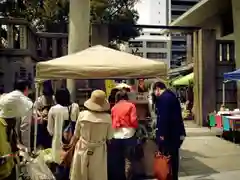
112, 97
47, 88
21, 85
121, 95
63, 97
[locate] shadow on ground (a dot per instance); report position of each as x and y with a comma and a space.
231, 136
191, 166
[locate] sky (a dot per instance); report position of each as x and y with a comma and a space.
143, 9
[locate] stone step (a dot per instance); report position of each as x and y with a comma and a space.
202, 131
233, 175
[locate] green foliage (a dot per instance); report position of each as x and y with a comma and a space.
52, 15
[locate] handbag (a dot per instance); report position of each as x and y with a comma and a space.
68, 147
68, 128
162, 166
67, 154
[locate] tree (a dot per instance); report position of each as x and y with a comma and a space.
52, 15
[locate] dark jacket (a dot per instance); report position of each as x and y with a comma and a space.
169, 120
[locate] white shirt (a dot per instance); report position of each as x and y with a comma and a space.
124, 133
57, 114
57, 110
16, 104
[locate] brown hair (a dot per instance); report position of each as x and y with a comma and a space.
121, 95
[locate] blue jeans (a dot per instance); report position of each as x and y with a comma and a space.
62, 173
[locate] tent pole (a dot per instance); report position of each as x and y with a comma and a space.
223, 93
35, 120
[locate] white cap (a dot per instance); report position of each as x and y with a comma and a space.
14, 104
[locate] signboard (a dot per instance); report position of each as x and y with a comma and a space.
109, 85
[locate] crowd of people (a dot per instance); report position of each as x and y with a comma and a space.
97, 143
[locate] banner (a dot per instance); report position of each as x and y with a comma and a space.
109, 85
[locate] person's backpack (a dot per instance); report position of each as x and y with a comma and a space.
68, 128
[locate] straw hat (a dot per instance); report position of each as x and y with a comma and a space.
97, 101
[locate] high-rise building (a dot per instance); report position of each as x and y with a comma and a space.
178, 47
151, 44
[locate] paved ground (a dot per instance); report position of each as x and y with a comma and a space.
207, 157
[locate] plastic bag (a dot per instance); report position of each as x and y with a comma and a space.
38, 170
46, 155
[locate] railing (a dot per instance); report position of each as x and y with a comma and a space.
19, 36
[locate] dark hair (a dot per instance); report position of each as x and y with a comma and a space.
121, 95
47, 88
48, 91
62, 97
21, 85
160, 85
126, 89
31, 95
1, 90
112, 97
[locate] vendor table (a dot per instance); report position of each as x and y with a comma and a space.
226, 120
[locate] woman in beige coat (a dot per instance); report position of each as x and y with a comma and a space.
93, 129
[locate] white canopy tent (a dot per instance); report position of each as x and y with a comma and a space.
99, 62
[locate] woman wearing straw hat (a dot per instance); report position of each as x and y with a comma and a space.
93, 129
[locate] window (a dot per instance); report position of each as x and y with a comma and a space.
156, 45
135, 44
156, 34
22, 72
139, 54
157, 55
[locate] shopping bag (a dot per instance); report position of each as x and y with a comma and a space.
162, 166
38, 170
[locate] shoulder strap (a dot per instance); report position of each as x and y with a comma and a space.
69, 112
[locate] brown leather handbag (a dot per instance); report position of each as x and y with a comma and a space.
67, 153
162, 166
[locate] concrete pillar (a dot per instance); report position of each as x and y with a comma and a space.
196, 77
204, 74
10, 36
44, 47
99, 36
236, 25
23, 37
64, 47
79, 21
189, 48
54, 47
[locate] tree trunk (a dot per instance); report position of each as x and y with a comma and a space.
79, 22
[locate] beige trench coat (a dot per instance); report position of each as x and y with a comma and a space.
90, 157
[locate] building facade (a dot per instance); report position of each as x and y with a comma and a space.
178, 46
152, 46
